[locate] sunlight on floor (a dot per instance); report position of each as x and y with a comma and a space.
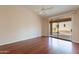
60, 46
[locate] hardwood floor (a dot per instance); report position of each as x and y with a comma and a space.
40, 45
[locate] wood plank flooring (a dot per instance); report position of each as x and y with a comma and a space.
41, 45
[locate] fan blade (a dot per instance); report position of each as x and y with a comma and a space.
46, 8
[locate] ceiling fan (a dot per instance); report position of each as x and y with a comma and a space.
46, 8
43, 10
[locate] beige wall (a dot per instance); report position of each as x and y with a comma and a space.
75, 27
45, 27
18, 23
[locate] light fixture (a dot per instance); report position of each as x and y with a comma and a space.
43, 10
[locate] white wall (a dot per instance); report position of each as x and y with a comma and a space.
45, 27
18, 23
75, 27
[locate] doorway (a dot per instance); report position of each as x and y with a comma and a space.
61, 29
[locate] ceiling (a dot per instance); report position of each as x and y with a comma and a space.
51, 10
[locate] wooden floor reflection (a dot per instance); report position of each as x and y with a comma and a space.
41, 45
60, 46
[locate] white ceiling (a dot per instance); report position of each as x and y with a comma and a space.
52, 10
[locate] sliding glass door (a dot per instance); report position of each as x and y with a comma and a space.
55, 29
62, 30
65, 30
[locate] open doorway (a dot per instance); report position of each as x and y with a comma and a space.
61, 28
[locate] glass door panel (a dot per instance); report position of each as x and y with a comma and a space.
65, 30
62, 30
55, 29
